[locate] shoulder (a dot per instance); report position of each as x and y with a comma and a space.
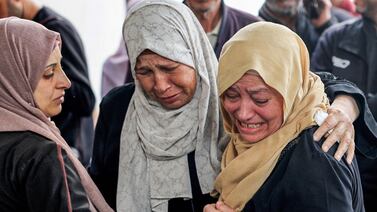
120, 96
342, 28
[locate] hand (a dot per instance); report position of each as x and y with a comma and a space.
338, 125
218, 207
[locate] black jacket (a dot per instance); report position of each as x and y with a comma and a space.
34, 175
349, 50
75, 121
308, 179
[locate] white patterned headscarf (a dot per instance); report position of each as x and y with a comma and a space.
155, 141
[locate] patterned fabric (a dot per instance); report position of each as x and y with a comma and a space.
281, 59
25, 48
153, 165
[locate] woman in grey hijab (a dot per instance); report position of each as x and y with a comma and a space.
173, 111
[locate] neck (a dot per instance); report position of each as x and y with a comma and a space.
30, 9
209, 19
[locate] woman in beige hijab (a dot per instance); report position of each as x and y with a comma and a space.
39, 170
271, 106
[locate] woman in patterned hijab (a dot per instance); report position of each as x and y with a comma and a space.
173, 112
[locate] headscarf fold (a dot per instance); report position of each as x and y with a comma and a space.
155, 141
281, 59
25, 49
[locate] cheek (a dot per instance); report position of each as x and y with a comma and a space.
146, 83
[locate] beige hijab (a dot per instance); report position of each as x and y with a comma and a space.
25, 48
280, 57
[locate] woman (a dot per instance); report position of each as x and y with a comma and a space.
138, 117
40, 172
270, 104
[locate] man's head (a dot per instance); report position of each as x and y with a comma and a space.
202, 6
284, 7
11, 8
367, 7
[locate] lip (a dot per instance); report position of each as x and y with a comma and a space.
170, 99
248, 130
60, 99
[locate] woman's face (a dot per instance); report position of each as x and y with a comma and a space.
49, 93
255, 108
170, 83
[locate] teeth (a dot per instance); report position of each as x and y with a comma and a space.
250, 125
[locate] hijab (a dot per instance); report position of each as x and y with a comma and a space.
281, 59
155, 141
25, 49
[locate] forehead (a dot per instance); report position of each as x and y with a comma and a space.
149, 56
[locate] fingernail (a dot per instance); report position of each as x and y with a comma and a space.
337, 157
315, 138
325, 148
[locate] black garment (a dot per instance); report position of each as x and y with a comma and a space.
34, 172
105, 158
308, 179
75, 121
349, 50
365, 138
304, 27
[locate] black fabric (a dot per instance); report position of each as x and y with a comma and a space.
75, 121
307, 179
32, 177
349, 50
304, 27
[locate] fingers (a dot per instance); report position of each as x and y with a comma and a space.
329, 123
221, 206
210, 208
339, 128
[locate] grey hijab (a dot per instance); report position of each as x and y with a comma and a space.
153, 165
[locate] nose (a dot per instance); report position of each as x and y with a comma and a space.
245, 110
63, 81
161, 82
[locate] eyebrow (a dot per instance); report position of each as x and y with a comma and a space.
170, 65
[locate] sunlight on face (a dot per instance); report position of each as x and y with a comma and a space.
49, 93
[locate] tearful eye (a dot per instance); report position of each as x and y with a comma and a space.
142, 71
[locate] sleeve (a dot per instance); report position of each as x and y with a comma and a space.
79, 98
51, 182
315, 181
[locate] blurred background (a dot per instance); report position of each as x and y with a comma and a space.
100, 24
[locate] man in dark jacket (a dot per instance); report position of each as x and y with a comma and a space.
295, 17
74, 122
219, 21
349, 50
